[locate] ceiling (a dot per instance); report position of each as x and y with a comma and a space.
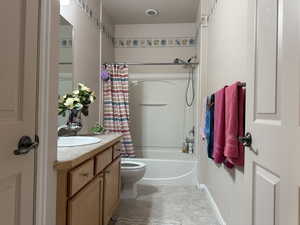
133, 11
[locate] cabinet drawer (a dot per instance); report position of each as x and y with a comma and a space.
103, 160
117, 150
80, 176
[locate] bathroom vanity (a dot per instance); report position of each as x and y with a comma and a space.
88, 182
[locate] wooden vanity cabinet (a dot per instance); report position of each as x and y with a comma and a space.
117, 150
88, 191
80, 176
112, 190
85, 207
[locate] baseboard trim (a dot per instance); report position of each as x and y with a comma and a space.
213, 203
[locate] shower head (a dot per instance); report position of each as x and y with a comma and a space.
179, 61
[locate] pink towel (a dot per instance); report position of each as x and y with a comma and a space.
234, 123
219, 126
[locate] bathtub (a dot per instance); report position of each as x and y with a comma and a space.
168, 168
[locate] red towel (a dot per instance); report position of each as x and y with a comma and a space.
219, 126
234, 123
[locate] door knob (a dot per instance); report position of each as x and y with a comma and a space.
26, 144
246, 140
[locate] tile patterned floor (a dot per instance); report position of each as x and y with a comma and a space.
186, 205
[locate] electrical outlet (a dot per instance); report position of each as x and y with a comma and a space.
204, 21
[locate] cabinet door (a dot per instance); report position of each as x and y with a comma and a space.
101, 199
111, 190
84, 208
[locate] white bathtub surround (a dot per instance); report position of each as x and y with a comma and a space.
181, 204
161, 119
143, 221
169, 172
163, 153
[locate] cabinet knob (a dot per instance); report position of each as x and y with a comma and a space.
85, 174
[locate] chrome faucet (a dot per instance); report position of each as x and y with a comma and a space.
69, 129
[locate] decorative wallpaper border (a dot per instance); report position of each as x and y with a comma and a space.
154, 42
94, 18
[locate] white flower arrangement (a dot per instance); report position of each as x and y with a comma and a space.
79, 100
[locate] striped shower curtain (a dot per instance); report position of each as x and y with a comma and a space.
116, 106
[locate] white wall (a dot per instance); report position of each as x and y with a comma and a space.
86, 45
107, 53
107, 47
224, 61
65, 70
202, 92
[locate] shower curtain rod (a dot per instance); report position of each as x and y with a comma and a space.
153, 64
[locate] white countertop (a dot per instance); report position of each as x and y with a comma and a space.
65, 154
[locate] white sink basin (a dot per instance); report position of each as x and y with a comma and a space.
77, 141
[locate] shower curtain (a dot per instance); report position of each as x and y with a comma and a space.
116, 106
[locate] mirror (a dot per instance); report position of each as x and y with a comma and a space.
66, 83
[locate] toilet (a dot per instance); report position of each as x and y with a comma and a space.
131, 173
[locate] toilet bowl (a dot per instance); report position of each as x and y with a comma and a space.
131, 173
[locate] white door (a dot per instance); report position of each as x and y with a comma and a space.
18, 78
273, 118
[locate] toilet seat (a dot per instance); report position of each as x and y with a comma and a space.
132, 165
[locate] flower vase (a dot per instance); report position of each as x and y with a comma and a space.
74, 122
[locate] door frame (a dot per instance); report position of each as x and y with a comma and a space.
46, 155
